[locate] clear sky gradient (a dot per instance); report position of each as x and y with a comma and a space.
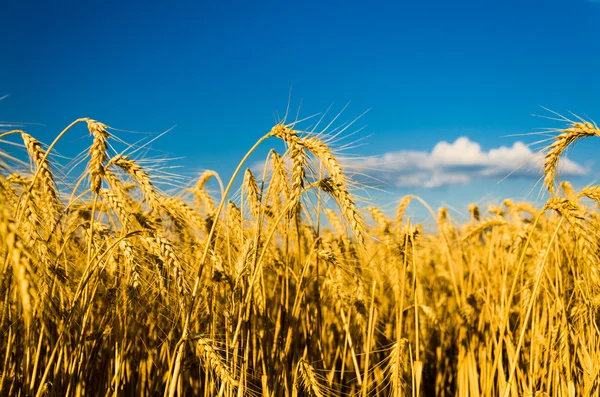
430, 71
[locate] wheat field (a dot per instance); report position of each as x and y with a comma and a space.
286, 286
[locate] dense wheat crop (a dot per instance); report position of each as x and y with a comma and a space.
285, 286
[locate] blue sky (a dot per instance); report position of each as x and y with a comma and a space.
429, 71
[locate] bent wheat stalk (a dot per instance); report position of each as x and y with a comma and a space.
568, 137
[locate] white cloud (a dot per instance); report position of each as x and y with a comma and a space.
461, 152
458, 163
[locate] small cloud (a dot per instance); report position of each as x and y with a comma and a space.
458, 163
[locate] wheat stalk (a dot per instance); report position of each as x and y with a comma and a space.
566, 138
98, 155
38, 156
477, 229
252, 193
142, 178
309, 379
202, 196
210, 355
402, 206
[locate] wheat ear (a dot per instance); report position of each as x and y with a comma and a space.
38, 156
141, 177
402, 206
569, 136
98, 156
309, 378
252, 193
